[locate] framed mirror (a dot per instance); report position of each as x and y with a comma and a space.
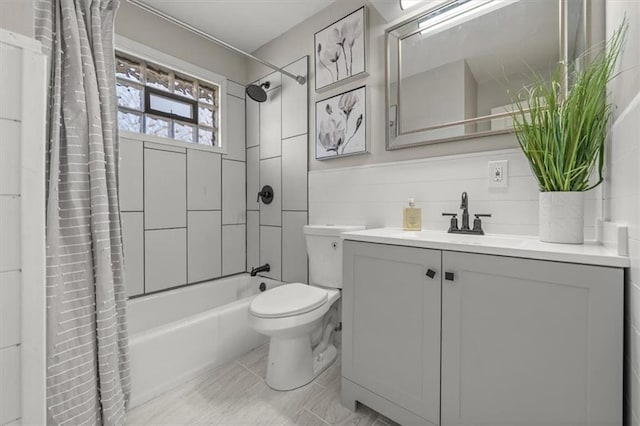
453, 69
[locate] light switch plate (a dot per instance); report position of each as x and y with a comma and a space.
498, 174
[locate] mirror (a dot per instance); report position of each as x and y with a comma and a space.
452, 70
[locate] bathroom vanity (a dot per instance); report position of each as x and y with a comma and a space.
443, 329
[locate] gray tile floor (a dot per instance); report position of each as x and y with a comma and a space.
236, 394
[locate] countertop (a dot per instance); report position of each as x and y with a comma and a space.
589, 253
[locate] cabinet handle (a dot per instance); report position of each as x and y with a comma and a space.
448, 276
431, 273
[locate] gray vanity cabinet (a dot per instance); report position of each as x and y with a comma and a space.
530, 342
391, 334
521, 341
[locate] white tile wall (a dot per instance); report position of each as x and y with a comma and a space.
165, 189
10, 384
131, 175
253, 239
235, 131
294, 173
253, 177
22, 233
9, 153
235, 89
271, 174
270, 124
10, 231
375, 195
294, 101
252, 122
294, 249
9, 308
204, 245
623, 186
204, 171
234, 249
133, 248
10, 82
233, 192
165, 258
277, 156
271, 250
274, 79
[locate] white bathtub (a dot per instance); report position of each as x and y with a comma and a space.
176, 334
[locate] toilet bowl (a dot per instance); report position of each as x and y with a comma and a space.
300, 319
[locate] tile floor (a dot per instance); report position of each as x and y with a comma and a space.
236, 394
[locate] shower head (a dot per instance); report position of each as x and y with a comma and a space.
256, 92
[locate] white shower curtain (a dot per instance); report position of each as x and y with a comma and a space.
87, 354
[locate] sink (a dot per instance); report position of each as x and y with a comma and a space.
444, 237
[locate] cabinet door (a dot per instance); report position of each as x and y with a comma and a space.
391, 320
528, 342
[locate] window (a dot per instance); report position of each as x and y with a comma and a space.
162, 102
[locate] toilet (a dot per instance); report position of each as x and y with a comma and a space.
300, 319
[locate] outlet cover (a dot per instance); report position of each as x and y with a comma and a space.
498, 174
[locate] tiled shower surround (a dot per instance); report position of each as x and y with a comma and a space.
183, 209
277, 142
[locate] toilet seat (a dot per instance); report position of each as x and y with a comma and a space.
288, 300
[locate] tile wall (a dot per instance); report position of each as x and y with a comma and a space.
375, 195
183, 209
22, 230
623, 187
276, 155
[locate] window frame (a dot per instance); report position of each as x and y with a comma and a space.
184, 69
148, 91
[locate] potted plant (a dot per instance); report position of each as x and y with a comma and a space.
563, 135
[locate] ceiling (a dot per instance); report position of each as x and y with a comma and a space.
246, 24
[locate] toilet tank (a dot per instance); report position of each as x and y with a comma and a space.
324, 248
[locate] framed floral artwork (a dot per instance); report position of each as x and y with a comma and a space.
341, 51
341, 125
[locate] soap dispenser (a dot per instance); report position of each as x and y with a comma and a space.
412, 218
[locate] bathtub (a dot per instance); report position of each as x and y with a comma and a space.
176, 334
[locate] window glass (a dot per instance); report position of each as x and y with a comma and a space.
162, 102
205, 116
128, 69
205, 137
170, 106
129, 96
184, 87
158, 79
130, 121
157, 126
184, 131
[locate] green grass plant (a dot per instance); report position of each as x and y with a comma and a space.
563, 133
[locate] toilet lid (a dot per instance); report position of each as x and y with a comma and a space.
288, 300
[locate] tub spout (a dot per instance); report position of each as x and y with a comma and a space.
263, 268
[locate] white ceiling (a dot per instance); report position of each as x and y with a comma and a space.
246, 24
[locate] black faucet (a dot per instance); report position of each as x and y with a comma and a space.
464, 205
464, 229
263, 268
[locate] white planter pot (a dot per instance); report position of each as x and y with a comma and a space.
562, 217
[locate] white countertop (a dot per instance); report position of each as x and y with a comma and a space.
589, 253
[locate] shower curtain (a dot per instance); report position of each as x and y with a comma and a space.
87, 354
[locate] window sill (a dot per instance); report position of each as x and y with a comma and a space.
170, 142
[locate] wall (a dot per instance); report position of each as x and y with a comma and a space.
22, 252
17, 16
157, 33
299, 41
183, 208
277, 142
374, 195
623, 186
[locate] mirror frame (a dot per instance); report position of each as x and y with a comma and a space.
417, 137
